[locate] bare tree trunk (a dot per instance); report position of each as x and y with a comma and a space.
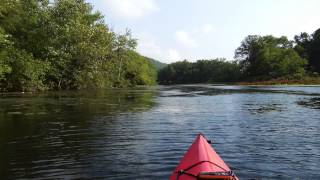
120, 67
59, 83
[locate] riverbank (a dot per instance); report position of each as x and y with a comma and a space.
303, 81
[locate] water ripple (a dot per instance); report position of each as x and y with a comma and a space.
261, 132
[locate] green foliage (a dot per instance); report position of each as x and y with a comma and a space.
140, 71
4, 45
267, 57
258, 58
202, 71
308, 46
64, 45
27, 73
123, 44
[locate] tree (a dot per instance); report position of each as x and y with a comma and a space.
63, 44
202, 71
4, 65
308, 47
269, 57
314, 52
138, 70
123, 43
302, 44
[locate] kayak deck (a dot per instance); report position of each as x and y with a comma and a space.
202, 162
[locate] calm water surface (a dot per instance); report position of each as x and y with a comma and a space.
265, 132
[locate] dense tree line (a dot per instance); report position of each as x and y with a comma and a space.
308, 47
63, 44
258, 58
215, 70
268, 57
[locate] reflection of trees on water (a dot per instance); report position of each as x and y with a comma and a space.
313, 103
52, 134
107, 101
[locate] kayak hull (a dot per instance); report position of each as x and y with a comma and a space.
200, 157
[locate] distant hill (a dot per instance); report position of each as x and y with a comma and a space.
159, 65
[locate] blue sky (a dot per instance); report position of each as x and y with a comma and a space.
172, 30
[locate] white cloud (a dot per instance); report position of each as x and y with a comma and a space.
174, 55
131, 9
185, 39
207, 28
148, 46
310, 23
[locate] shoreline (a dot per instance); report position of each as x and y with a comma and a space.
309, 81
315, 82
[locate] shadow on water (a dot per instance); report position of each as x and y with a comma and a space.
265, 108
313, 103
211, 90
58, 134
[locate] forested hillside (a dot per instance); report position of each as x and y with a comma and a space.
63, 44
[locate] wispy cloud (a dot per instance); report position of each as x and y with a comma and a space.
147, 46
207, 28
184, 38
174, 55
130, 9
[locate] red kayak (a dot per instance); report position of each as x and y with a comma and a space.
202, 162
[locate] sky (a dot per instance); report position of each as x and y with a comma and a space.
173, 30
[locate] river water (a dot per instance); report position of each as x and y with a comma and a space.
263, 132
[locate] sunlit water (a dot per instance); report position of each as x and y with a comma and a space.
270, 132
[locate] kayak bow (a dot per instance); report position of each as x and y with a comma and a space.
202, 162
